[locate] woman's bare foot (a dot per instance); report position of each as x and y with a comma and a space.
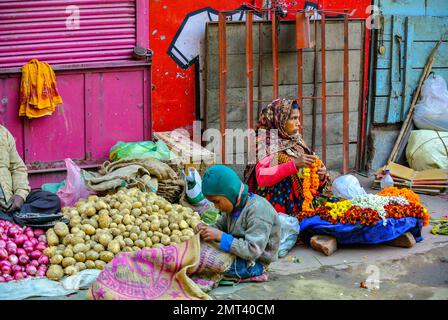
406, 240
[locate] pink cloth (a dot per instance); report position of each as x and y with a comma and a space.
268, 176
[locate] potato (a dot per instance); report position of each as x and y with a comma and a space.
184, 238
50, 251
52, 238
67, 239
115, 232
127, 249
122, 227
74, 230
74, 222
113, 225
80, 247
165, 240
56, 259
92, 255
100, 264
113, 247
93, 222
68, 261
155, 225
104, 239
155, 239
122, 243
188, 232
153, 217
166, 231
158, 234
128, 242
135, 229
68, 252
88, 229
70, 270
103, 220
80, 257
90, 210
138, 222
55, 272
158, 245
137, 205
136, 212
142, 236
81, 234
90, 264
164, 223
100, 205
148, 243
98, 248
76, 240
80, 266
86, 238
174, 226
139, 243
127, 219
150, 233
175, 239
145, 226
133, 236
106, 256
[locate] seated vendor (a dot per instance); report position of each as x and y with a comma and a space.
277, 176
15, 194
249, 227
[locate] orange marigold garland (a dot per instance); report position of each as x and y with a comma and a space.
310, 185
406, 193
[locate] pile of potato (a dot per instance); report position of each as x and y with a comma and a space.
101, 227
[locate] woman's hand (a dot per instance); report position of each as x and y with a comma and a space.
322, 172
305, 160
210, 234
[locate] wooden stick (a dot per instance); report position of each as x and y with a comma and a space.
408, 121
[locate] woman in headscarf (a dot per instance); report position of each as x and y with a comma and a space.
248, 227
278, 175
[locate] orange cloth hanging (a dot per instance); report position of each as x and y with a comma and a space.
38, 92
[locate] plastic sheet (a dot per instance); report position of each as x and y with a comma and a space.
290, 229
347, 187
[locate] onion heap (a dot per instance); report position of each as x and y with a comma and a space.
21, 252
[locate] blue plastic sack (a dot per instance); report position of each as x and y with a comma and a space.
358, 234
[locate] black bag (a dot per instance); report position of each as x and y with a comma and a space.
39, 220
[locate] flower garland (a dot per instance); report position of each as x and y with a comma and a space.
338, 209
310, 184
406, 193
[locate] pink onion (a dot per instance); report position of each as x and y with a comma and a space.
8, 277
19, 275
31, 270
5, 263
19, 239
13, 231
39, 232
35, 254
34, 263
42, 267
34, 241
43, 259
2, 244
2, 279
24, 259
29, 234
13, 259
28, 250
42, 238
6, 270
2, 230
41, 246
41, 273
27, 243
21, 251
3, 254
16, 268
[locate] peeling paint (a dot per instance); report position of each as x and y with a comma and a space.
180, 75
162, 37
154, 32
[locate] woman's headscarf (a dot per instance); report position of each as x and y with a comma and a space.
274, 117
220, 180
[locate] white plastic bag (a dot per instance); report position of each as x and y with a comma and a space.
427, 149
431, 112
347, 187
193, 190
290, 229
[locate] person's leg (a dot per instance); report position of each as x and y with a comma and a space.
39, 201
242, 269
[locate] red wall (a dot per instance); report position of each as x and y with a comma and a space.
174, 100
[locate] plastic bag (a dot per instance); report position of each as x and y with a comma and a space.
290, 229
193, 190
53, 187
347, 187
427, 149
431, 112
138, 150
74, 188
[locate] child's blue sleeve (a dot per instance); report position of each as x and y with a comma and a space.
226, 242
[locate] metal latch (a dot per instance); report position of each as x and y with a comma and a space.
141, 53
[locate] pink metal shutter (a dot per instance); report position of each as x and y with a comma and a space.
39, 29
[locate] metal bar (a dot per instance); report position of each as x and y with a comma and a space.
249, 72
274, 57
314, 111
222, 82
324, 89
345, 115
299, 73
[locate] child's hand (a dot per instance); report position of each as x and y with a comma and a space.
199, 227
210, 234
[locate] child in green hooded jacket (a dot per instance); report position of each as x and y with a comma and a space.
248, 227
